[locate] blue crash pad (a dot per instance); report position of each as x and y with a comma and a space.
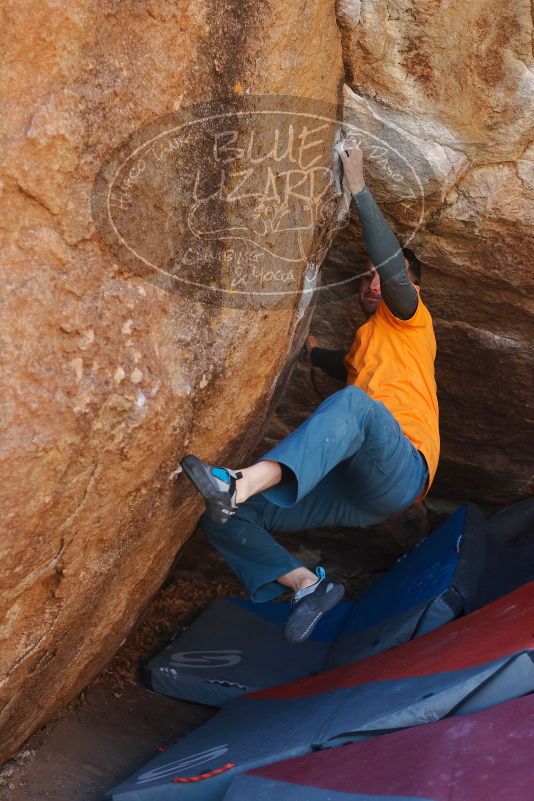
236, 646
477, 661
487, 755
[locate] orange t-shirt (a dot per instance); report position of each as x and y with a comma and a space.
392, 360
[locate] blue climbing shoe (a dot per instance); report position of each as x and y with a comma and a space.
310, 604
216, 484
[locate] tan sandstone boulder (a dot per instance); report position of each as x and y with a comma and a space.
111, 368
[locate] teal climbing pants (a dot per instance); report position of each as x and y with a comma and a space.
347, 465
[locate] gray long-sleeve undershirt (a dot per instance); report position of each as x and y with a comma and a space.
397, 290
330, 362
384, 250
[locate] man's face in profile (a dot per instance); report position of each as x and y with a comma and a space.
370, 295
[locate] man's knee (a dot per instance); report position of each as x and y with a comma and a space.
211, 530
221, 533
355, 398
248, 513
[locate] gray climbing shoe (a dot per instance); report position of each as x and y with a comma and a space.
310, 604
216, 484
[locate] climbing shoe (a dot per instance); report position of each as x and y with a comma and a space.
310, 604
216, 484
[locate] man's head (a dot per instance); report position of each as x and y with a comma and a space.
370, 282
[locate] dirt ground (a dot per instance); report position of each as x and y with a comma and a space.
116, 725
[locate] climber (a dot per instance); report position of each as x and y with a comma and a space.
368, 451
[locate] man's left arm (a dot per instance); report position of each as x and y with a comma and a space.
398, 292
383, 247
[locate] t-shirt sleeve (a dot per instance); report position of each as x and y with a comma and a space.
419, 319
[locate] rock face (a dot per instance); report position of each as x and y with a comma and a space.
109, 377
451, 86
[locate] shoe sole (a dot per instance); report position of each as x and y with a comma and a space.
194, 470
303, 633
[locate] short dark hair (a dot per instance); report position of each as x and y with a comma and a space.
414, 265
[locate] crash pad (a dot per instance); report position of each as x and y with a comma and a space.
472, 663
487, 755
236, 646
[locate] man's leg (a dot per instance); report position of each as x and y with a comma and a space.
263, 565
333, 433
386, 475
266, 568
350, 429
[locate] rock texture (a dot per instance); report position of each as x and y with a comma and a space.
451, 84
108, 379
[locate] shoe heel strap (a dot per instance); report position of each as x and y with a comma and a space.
308, 590
225, 474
